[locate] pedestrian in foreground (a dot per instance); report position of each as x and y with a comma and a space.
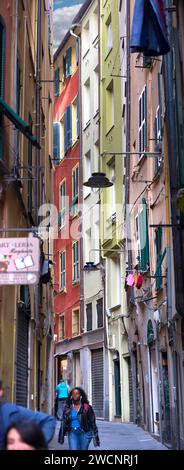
78, 422
11, 413
25, 435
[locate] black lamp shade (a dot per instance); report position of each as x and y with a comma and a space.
98, 180
90, 266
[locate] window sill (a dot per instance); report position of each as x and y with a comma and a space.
96, 114
87, 125
108, 54
76, 283
111, 128
63, 291
86, 53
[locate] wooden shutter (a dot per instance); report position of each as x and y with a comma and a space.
69, 62
144, 240
69, 126
56, 139
65, 133
78, 117
56, 82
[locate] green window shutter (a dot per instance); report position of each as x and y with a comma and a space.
144, 239
56, 82
158, 272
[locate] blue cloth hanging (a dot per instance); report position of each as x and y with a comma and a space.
149, 33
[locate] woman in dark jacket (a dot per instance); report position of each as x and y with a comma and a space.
78, 422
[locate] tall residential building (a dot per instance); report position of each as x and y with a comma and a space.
112, 210
94, 357
25, 185
67, 198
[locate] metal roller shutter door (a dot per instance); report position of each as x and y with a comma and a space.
97, 381
22, 358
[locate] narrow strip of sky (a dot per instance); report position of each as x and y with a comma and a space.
64, 12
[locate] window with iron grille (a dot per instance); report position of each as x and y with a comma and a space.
99, 307
143, 121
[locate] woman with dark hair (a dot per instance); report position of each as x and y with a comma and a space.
25, 435
78, 422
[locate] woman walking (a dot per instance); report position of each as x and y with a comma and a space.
78, 422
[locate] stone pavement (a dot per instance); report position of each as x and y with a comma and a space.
116, 436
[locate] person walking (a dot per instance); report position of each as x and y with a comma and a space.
11, 413
78, 422
25, 435
62, 391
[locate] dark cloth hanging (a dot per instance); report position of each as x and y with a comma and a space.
149, 34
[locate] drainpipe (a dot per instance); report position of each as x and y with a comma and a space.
172, 145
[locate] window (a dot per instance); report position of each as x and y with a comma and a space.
75, 191
75, 120
87, 172
56, 142
76, 262
143, 236
159, 257
109, 107
63, 203
157, 137
62, 150
86, 39
61, 327
95, 24
56, 82
113, 189
109, 44
89, 317
69, 62
75, 322
143, 121
96, 92
99, 308
63, 270
68, 128
113, 278
86, 103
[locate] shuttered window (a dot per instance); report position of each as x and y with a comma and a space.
143, 121
68, 128
78, 117
75, 323
69, 62
76, 261
56, 140
75, 191
63, 270
143, 237
61, 327
89, 317
159, 257
56, 82
99, 307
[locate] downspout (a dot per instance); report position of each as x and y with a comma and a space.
172, 178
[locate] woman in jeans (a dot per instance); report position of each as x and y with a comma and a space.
78, 422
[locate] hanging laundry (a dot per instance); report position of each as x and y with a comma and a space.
149, 34
139, 281
130, 280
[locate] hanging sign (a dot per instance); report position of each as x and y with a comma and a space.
19, 261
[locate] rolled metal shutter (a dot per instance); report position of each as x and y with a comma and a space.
130, 392
22, 357
97, 381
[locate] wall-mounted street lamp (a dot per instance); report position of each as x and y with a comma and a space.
100, 180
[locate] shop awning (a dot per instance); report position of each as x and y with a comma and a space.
21, 125
149, 34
